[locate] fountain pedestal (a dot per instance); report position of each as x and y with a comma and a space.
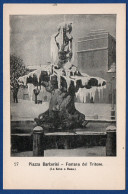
62, 114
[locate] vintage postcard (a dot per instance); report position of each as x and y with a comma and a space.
64, 73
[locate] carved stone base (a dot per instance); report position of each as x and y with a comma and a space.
60, 120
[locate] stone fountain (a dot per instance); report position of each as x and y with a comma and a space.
63, 80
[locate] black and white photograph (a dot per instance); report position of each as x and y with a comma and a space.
63, 85
64, 96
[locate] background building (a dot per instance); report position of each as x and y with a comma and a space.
96, 56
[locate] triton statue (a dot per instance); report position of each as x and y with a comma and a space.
63, 80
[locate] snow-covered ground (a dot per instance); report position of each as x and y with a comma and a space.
26, 109
79, 152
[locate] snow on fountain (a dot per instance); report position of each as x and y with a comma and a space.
63, 80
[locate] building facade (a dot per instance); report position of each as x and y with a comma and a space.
96, 55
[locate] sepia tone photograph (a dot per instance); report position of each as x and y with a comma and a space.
63, 85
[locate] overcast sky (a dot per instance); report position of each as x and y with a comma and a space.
30, 35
